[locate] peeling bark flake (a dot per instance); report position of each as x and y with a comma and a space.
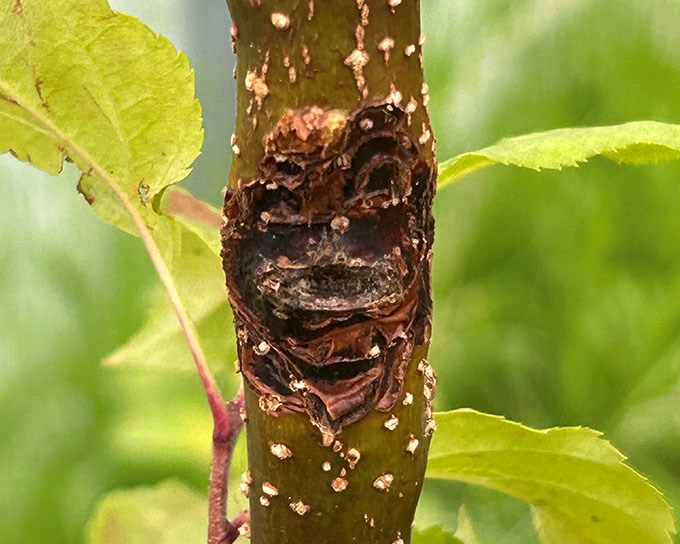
280, 20
356, 62
339, 485
392, 423
383, 483
352, 457
412, 444
306, 57
292, 72
270, 489
395, 97
411, 106
429, 392
234, 145
300, 508
366, 124
257, 85
262, 348
425, 135
386, 45
269, 404
234, 37
244, 489
358, 59
425, 92
340, 223
280, 451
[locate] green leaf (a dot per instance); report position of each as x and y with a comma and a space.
641, 142
160, 343
573, 478
80, 81
169, 513
465, 530
434, 535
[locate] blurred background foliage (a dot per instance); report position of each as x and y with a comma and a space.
557, 294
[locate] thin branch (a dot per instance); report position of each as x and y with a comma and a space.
218, 406
227, 420
220, 531
235, 530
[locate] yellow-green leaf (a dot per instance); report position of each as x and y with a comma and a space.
169, 513
640, 142
434, 535
80, 81
572, 477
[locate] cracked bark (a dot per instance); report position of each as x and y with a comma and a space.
327, 250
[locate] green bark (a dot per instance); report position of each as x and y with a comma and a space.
317, 50
332, 104
363, 511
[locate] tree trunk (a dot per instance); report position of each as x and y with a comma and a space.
327, 251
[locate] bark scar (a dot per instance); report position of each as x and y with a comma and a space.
327, 260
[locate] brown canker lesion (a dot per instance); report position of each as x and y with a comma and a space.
326, 253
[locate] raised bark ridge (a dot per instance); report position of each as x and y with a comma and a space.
327, 250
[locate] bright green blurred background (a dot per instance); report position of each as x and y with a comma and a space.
557, 295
